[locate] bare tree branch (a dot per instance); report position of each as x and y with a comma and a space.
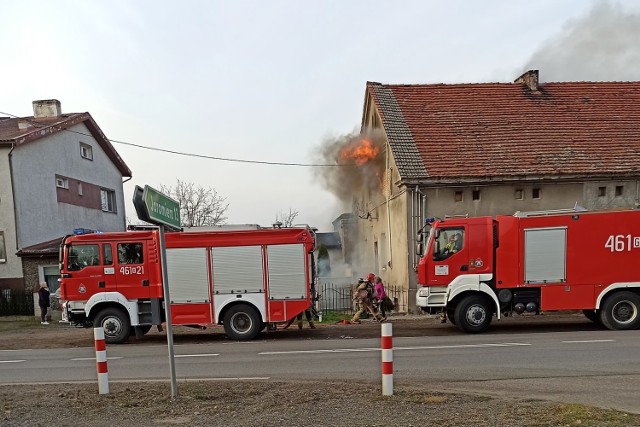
199, 206
286, 218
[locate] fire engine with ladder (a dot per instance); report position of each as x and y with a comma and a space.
244, 280
568, 259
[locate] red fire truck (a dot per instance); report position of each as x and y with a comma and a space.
245, 280
475, 268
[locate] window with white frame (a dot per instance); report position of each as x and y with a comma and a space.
519, 194
62, 182
3, 251
86, 152
108, 200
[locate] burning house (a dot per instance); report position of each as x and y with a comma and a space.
479, 149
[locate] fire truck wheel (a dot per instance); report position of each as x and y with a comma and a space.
144, 329
451, 315
592, 315
242, 322
115, 323
473, 314
621, 311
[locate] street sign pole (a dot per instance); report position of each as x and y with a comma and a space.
156, 208
167, 310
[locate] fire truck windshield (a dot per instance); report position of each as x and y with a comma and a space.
81, 256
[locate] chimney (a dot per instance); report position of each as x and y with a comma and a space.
529, 79
46, 108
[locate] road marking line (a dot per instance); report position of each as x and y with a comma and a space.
93, 358
437, 347
196, 355
225, 379
587, 341
337, 350
24, 349
348, 350
12, 361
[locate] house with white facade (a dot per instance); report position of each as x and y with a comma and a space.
58, 172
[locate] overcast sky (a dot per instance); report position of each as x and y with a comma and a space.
271, 80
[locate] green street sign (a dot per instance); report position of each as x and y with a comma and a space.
160, 208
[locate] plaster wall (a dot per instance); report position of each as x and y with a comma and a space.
11, 269
35, 165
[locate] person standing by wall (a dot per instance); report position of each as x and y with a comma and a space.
381, 295
43, 302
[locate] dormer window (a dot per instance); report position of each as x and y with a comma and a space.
85, 151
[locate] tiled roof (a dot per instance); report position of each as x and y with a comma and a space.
507, 131
50, 247
400, 138
18, 131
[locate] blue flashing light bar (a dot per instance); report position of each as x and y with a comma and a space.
83, 231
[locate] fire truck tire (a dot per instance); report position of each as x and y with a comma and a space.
451, 315
621, 311
592, 315
144, 329
473, 314
115, 323
242, 323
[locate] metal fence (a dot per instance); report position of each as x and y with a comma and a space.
338, 298
16, 303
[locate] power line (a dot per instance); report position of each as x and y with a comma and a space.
179, 153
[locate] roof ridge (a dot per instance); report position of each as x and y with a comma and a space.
567, 83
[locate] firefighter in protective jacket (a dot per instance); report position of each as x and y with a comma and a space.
362, 296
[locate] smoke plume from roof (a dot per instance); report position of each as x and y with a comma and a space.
601, 46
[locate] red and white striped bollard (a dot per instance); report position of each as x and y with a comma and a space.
101, 361
387, 359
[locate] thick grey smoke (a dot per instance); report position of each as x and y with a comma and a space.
350, 178
348, 181
601, 46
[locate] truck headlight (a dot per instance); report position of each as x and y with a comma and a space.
423, 292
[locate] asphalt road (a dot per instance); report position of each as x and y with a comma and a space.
599, 368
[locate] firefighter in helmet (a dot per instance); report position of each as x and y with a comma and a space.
363, 296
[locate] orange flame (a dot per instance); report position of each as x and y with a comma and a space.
360, 152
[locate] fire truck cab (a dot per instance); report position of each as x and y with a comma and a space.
244, 280
475, 268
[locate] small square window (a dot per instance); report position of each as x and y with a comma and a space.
475, 195
85, 151
62, 183
602, 191
535, 193
619, 189
458, 196
519, 194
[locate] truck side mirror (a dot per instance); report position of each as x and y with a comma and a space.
419, 248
